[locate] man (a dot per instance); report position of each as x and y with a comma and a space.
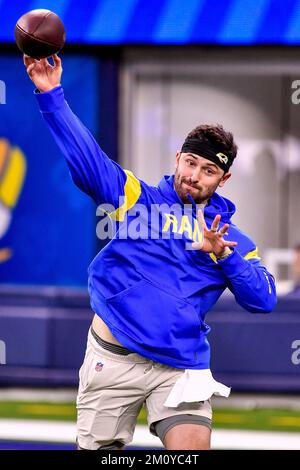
151, 288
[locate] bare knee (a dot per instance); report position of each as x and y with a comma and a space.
188, 437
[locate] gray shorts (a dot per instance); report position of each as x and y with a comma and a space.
112, 390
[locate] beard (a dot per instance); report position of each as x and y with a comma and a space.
184, 186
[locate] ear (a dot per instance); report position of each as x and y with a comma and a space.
224, 178
178, 153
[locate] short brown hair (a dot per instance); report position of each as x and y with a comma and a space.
218, 137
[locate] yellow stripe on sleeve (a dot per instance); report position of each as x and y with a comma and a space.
252, 254
132, 192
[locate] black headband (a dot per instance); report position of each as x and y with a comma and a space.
208, 151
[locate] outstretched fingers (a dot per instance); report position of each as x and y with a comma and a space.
230, 243
215, 225
28, 60
202, 220
56, 60
45, 62
30, 69
224, 229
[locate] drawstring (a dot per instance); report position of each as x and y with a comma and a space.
194, 205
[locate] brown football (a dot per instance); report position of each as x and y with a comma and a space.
40, 33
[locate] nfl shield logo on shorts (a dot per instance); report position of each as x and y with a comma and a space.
99, 366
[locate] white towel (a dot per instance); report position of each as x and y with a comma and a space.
195, 385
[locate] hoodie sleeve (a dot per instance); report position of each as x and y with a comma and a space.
250, 282
91, 169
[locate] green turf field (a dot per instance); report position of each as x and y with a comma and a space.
257, 419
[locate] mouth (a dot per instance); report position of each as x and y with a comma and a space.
189, 186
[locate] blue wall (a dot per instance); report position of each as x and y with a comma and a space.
166, 21
51, 237
45, 333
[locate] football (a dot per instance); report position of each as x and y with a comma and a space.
40, 33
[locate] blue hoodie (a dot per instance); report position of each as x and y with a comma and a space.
153, 292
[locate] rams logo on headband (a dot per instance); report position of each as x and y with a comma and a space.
223, 158
12, 174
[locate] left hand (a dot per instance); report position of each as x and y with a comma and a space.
213, 241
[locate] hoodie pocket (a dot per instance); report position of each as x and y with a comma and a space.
156, 319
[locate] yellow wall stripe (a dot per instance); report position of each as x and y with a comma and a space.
5, 254
12, 181
3, 153
132, 192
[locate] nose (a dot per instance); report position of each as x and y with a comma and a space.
195, 177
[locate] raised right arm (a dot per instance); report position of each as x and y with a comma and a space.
91, 169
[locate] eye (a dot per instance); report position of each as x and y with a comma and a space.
190, 162
210, 172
